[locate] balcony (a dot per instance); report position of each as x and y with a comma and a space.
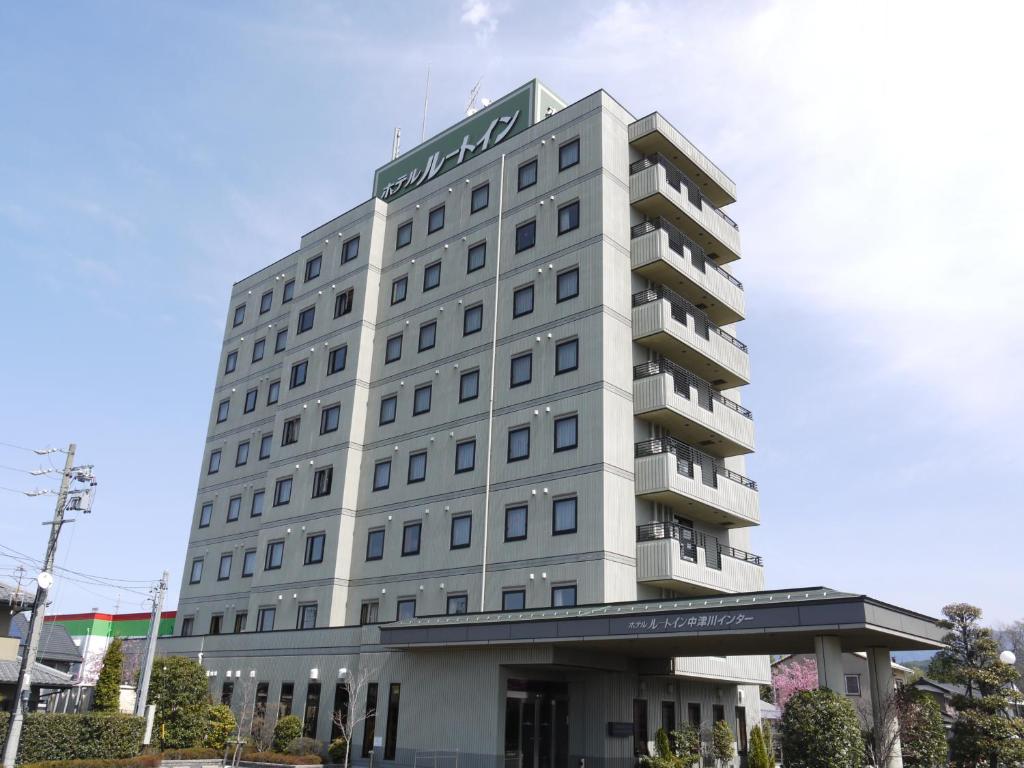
656, 135
689, 562
671, 396
665, 255
694, 483
666, 322
658, 189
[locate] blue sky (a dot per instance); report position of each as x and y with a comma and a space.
153, 153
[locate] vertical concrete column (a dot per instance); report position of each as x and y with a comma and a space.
882, 706
829, 656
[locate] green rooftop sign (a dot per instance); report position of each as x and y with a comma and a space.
487, 128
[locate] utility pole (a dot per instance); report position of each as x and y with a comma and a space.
35, 627
142, 691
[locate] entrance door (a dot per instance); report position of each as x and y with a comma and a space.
741, 735
536, 724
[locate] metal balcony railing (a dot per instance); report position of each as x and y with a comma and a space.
680, 182
679, 242
690, 540
683, 380
687, 456
681, 308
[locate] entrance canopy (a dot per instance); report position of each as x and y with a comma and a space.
751, 623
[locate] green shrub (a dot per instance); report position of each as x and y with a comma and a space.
280, 757
220, 726
49, 736
288, 728
107, 697
686, 739
192, 753
722, 741
336, 751
139, 761
304, 746
820, 729
179, 690
758, 756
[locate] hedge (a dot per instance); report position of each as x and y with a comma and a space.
192, 753
140, 761
281, 758
48, 736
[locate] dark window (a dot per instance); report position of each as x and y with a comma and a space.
567, 356
568, 284
289, 292
256, 508
265, 442
323, 479
668, 716
473, 320
259, 348
290, 431
369, 612
275, 556
239, 315
250, 400
214, 466
476, 257
329, 419
563, 515
513, 600
375, 544
370, 723
382, 475
313, 267
282, 491
462, 531
186, 626
224, 569
248, 564
526, 236
469, 386
339, 717
350, 250
227, 690
343, 302
307, 617
480, 198
231, 362
391, 729
281, 340
693, 714
306, 318
852, 685
717, 712
266, 302
428, 336
432, 276
411, 538
399, 288
315, 548
435, 220
393, 351
336, 359
522, 301
406, 609
639, 727
417, 467
522, 370
388, 409
563, 596
515, 523
205, 515
196, 574
457, 605
404, 235
223, 409
298, 377
421, 399
527, 175
234, 508
265, 620
273, 392
565, 433
569, 217
519, 443
465, 456
568, 154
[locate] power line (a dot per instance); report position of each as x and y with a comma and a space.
37, 451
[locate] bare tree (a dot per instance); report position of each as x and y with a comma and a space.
348, 719
880, 721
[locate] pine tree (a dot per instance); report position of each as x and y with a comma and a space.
108, 687
758, 757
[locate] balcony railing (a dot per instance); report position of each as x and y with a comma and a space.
681, 308
681, 183
690, 540
687, 456
683, 380
679, 242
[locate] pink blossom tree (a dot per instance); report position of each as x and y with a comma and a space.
791, 676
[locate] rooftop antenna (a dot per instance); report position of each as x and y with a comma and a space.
470, 109
396, 143
426, 97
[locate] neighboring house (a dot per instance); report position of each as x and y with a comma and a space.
943, 694
56, 648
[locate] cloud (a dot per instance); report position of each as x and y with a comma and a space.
480, 15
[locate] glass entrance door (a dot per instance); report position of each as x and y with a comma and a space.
536, 724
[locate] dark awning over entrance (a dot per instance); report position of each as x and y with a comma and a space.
753, 623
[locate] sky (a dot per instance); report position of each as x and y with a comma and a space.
153, 153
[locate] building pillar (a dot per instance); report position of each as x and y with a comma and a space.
829, 656
883, 708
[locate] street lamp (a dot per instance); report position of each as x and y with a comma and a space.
1008, 657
